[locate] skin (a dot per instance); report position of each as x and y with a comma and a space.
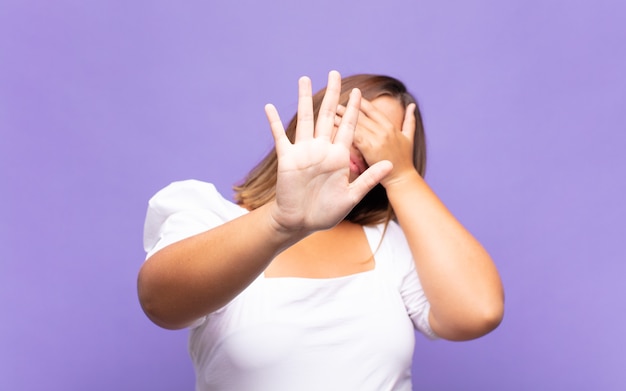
458, 275
291, 237
200, 274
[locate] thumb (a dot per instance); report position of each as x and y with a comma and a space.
368, 179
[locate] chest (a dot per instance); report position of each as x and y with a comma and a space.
341, 251
284, 325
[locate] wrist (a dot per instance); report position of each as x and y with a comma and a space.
400, 179
285, 232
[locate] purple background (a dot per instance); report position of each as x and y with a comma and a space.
103, 103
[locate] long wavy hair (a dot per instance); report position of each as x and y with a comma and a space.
259, 186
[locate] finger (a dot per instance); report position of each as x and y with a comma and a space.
341, 110
345, 132
373, 113
371, 121
304, 129
408, 126
365, 132
276, 125
364, 125
326, 115
369, 178
336, 125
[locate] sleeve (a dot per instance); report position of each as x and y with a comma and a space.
415, 301
184, 209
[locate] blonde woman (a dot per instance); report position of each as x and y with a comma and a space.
334, 252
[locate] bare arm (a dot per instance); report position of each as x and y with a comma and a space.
458, 276
198, 275
191, 278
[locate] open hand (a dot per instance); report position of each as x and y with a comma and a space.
385, 131
313, 191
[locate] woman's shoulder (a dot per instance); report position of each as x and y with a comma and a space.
389, 232
185, 208
185, 190
390, 246
191, 194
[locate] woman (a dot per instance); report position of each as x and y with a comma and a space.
301, 285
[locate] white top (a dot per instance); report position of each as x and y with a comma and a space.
345, 333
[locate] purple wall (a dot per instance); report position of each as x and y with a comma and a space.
103, 103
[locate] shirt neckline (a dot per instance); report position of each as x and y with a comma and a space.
372, 234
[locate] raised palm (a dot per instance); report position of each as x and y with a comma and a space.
313, 189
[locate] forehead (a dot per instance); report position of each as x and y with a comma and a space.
392, 108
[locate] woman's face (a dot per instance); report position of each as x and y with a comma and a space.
391, 108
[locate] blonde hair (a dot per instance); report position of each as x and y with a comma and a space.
258, 187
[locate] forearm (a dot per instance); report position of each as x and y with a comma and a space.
191, 278
458, 275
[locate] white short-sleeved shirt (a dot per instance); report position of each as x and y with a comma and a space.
346, 333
